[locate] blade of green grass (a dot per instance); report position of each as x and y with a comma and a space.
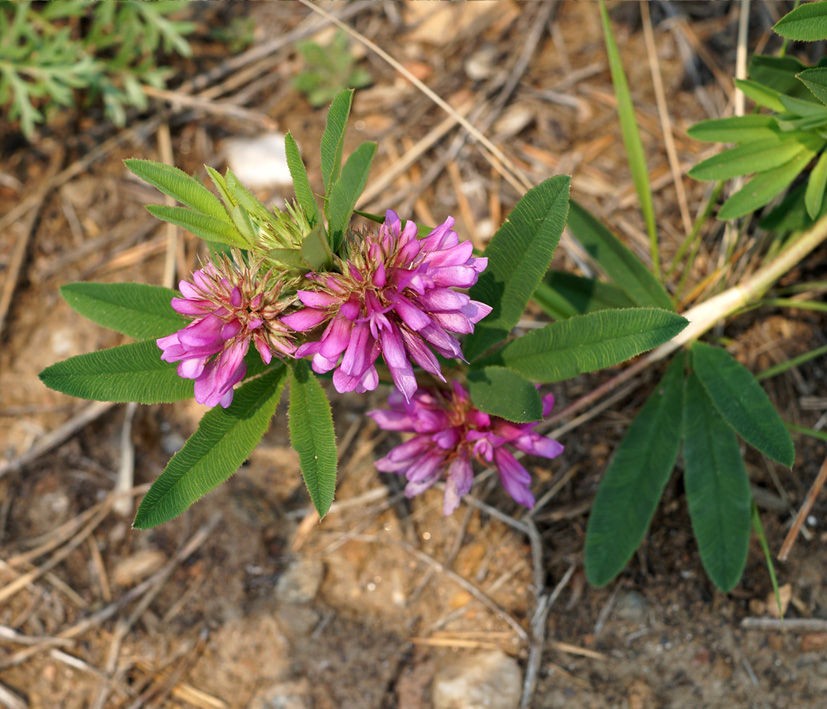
631, 139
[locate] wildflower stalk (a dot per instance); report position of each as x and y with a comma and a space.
704, 316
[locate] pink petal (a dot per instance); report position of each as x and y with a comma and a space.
304, 320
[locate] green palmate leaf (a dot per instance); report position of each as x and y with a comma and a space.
223, 441
201, 225
585, 343
333, 138
179, 185
518, 256
752, 157
764, 186
737, 129
631, 137
816, 81
717, 488
346, 191
621, 265
132, 372
633, 484
135, 309
807, 23
742, 402
816, 186
312, 435
301, 185
762, 95
502, 392
562, 295
778, 73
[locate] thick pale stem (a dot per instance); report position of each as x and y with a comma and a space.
706, 315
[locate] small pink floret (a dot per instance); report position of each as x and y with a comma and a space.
449, 433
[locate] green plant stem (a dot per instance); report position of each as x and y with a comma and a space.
706, 315
790, 363
800, 304
804, 431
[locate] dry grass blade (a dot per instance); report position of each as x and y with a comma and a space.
22, 581
21, 246
10, 700
806, 506
508, 168
464, 583
58, 436
665, 120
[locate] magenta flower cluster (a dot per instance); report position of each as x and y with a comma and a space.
449, 432
230, 308
392, 297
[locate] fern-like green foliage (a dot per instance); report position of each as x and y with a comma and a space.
328, 70
51, 51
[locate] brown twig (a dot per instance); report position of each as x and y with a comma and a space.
21, 246
480, 595
807, 505
58, 436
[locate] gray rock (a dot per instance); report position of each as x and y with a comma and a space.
631, 606
301, 581
284, 695
486, 680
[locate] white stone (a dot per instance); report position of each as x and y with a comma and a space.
258, 162
487, 680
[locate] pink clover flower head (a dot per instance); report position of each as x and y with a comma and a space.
231, 304
449, 433
393, 296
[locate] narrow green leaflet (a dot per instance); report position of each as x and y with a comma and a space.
518, 256
315, 250
764, 186
816, 81
178, 185
133, 372
135, 309
346, 191
778, 73
806, 108
762, 95
717, 488
633, 484
563, 294
301, 184
742, 402
333, 138
752, 157
223, 441
807, 23
246, 199
621, 265
631, 138
585, 343
816, 186
312, 435
503, 392
201, 225
736, 129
